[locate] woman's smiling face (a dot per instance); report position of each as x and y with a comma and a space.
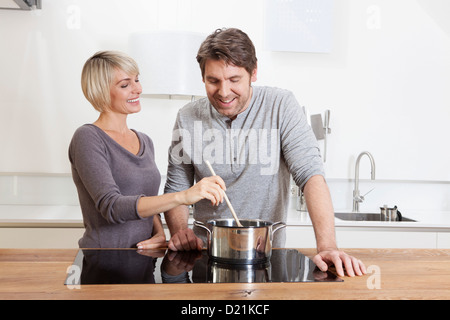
125, 91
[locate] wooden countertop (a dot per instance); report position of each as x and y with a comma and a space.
394, 274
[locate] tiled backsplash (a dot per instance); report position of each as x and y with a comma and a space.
59, 189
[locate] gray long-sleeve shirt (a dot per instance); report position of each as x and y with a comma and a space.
110, 180
254, 154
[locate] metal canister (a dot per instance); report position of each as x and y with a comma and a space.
390, 214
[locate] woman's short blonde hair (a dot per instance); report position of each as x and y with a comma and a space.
98, 74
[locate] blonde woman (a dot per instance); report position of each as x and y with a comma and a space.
113, 167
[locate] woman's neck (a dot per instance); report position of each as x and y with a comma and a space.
108, 121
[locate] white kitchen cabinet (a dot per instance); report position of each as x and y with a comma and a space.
385, 238
300, 237
443, 240
359, 237
54, 238
296, 237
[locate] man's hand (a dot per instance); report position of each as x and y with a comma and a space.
340, 260
185, 240
175, 263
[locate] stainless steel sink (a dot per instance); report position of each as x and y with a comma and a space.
358, 216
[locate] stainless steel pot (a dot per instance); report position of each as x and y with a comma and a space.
390, 214
249, 244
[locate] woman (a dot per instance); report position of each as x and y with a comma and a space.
113, 167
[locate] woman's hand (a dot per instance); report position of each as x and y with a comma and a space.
211, 188
156, 242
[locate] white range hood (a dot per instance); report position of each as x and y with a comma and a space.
21, 4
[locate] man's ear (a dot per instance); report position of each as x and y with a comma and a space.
254, 77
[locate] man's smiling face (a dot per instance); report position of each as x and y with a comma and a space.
228, 87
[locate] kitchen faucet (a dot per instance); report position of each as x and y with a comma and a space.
357, 198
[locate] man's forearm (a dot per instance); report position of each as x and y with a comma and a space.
321, 212
157, 226
177, 218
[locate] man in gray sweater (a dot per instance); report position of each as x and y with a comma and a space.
254, 137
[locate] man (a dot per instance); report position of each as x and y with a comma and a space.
255, 137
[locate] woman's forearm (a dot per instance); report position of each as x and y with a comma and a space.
158, 228
210, 188
149, 206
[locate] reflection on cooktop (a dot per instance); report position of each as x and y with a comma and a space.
129, 266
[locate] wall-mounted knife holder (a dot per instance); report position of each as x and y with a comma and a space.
321, 129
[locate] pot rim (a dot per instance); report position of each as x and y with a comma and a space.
260, 223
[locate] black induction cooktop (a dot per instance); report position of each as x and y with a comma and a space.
130, 266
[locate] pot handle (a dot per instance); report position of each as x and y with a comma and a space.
281, 225
202, 225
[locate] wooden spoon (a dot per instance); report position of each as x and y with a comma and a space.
226, 197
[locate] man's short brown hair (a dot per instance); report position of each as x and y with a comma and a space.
230, 45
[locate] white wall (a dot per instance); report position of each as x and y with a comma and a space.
386, 80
